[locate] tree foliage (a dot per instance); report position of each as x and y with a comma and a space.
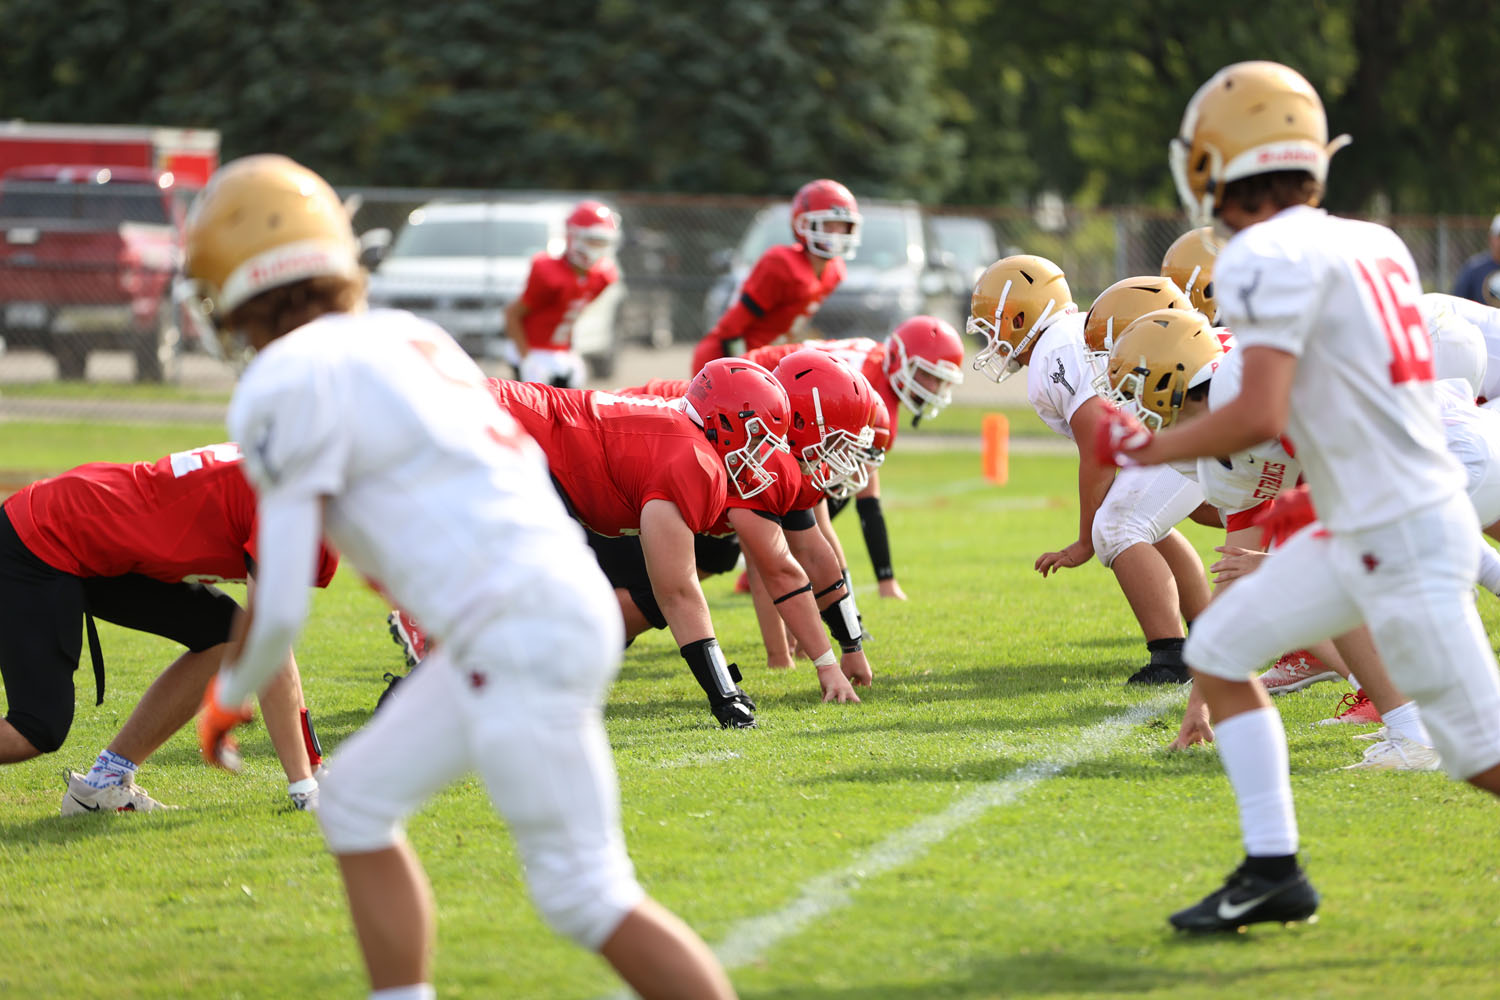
980, 101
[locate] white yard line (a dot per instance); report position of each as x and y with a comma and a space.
752, 938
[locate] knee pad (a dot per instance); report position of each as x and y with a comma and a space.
583, 898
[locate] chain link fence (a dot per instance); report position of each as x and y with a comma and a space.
104, 318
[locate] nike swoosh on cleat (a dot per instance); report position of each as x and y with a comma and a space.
84, 804
1233, 911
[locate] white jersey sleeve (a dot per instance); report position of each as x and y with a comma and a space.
290, 416
1060, 374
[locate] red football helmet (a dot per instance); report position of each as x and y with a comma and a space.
745, 414
924, 344
832, 407
874, 456
593, 233
816, 205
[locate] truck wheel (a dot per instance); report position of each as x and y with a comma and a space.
155, 348
72, 360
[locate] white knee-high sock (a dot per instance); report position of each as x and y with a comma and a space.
1406, 720
417, 991
1252, 746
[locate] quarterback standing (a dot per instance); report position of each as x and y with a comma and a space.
1336, 356
558, 289
789, 282
377, 429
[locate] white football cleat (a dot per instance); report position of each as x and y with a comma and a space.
81, 797
1397, 753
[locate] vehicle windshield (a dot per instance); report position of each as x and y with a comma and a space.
471, 238
971, 242
882, 238
115, 202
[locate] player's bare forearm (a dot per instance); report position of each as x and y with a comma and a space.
513, 327
766, 547
667, 543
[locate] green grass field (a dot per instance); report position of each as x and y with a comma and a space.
996, 819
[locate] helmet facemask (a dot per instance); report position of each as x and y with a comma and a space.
747, 463
588, 246
924, 403
1000, 359
837, 454
811, 227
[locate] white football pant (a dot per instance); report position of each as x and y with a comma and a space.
1142, 505
560, 368
1412, 582
519, 704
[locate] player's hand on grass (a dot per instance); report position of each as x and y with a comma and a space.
856, 667
1195, 729
835, 685
890, 588
1075, 554
1237, 562
216, 723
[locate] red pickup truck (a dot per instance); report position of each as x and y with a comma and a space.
87, 257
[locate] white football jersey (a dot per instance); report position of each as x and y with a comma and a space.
1487, 320
1342, 295
434, 492
1258, 474
1473, 434
1060, 373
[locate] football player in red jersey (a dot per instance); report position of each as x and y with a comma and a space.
138, 545
667, 471
917, 367
790, 281
540, 322
832, 407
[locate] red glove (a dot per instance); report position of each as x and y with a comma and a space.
214, 725
1117, 435
1289, 513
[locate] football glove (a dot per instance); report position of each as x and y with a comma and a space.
215, 725
1117, 435
1289, 513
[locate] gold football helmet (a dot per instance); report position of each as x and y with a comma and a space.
1189, 262
1013, 301
1126, 301
262, 222
1157, 359
1249, 118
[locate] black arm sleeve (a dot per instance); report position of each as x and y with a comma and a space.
872, 523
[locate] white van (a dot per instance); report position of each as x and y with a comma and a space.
460, 264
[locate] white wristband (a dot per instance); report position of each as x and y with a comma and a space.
826, 660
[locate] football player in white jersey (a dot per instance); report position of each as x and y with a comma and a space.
1337, 357
1168, 367
1445, 309
376, 428
1023, 308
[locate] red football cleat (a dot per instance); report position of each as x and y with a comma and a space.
1358, 710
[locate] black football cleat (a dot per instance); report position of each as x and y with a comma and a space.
1161, 673
1248, 898
736, 712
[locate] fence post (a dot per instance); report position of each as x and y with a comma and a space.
1445, 281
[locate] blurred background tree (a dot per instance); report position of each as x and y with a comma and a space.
961, 101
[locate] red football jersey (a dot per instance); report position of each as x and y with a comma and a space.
864, 355
555, 294
189, 517
612, 454
780, 290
